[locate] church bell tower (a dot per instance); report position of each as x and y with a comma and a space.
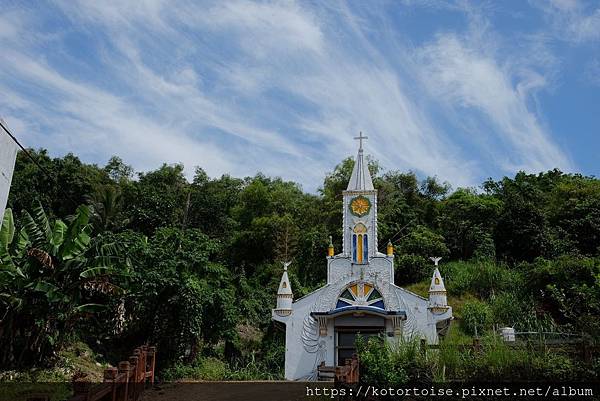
360, 212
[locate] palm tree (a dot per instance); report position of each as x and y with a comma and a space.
105, 207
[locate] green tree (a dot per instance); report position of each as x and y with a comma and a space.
60, 188
423, 242
568, 288
106, 209
212, 203
182, 297
118, 171
574, 211
467, 221
157, 199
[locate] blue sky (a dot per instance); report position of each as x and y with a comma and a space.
461, 90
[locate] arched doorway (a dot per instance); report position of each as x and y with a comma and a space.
361, 301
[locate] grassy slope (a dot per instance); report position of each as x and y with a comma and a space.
456, 335
73, 358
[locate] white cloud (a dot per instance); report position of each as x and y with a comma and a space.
468, 78
89, 121
573, 20
592, 71
265, 27
278, 87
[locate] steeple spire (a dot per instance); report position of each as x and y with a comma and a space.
361, 177
284, 293
438, 301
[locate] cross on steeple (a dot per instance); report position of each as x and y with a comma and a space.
360, 138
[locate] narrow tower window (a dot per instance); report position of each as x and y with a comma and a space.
360, 244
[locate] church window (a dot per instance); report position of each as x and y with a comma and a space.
361, 294
347, 295
360, 244
359, 249
284, 285
374, 295
360, 228
437, 281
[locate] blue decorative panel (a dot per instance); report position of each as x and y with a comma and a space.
378, 304
341, 304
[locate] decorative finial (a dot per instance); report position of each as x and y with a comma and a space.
285, 265
435, 259
360, 138
390, 249
330, 247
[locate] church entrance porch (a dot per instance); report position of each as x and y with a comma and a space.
345, 340
348, 323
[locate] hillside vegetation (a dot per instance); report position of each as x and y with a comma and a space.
101, 256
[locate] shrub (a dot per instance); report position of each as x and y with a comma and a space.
476, 317
386, 364
568, 288
507, 308
499, 361
201, 369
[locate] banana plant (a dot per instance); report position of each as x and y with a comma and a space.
52, 274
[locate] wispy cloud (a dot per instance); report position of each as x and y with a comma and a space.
277, 87
467, 78
573, 20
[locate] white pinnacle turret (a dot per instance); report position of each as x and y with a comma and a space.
284, 293
438, 301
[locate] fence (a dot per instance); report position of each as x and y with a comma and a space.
578, 347
347, 373
125, 383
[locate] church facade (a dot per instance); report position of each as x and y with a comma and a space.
360, 297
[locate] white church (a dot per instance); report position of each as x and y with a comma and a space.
360, 296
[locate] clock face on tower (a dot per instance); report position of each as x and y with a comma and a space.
360, 206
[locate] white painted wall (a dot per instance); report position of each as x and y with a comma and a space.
8, 154
305, 348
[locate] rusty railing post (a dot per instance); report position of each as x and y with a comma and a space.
81, 386
124, 369
110, 376
133, 362
152, 351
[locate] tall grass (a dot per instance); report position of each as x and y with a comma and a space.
482, 277
494, 360
213, 369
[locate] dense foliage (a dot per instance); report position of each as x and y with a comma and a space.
193, 266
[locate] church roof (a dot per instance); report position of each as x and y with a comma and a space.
361, 177
369, 309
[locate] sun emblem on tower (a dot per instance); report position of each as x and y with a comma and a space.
360, 206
